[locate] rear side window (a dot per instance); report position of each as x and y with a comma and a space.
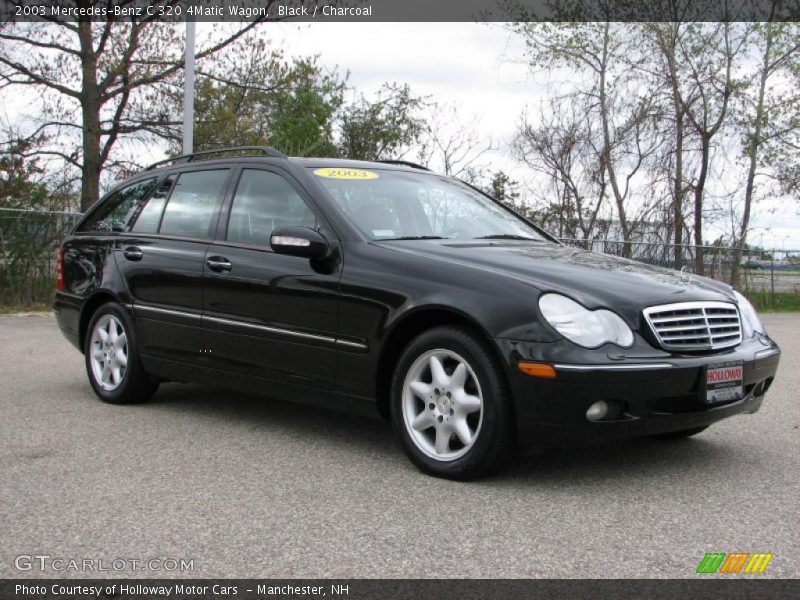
115, 211
191, 205
150, 215
263, 202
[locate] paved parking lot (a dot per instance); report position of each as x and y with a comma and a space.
248, 487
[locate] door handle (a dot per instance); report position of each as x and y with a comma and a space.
133, 253
218, 264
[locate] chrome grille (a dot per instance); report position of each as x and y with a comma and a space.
695, 325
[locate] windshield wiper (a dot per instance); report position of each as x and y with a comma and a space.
506, 236
413, 237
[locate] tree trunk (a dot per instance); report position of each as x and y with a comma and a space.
706, 134
90, 108
668, 49
678, 187
607, 159
752, 154
699, 191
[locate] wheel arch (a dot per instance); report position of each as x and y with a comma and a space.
90, 306
409, 326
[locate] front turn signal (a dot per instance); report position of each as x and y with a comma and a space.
540, 370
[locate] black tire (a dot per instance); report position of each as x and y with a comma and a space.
680, 435
135, 386
494, 437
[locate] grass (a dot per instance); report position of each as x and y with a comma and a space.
11, 309
766, 301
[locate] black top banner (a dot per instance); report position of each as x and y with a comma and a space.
400, 10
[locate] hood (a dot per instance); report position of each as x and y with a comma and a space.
590, 278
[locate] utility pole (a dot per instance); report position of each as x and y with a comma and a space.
188, 90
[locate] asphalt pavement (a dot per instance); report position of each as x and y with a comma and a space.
242, 486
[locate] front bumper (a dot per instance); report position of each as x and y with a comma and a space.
653, 392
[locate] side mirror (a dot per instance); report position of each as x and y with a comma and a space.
298, 241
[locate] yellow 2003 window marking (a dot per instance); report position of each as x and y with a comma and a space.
340, 173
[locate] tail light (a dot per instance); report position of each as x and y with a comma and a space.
60, 269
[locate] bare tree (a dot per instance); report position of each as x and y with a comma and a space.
665, 71
767, 115
99, 83
601, 56
451, 145
700, 61
560, 149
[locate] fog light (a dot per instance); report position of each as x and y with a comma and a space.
597, 411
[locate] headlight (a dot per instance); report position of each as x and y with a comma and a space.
587, 328
750, 320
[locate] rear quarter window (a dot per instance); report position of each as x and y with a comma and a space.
116, 210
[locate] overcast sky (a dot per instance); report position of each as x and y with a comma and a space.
478, 67
461, 64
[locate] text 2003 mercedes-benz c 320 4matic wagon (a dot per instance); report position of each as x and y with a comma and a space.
365, 285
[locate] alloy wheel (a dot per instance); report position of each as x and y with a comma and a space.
442, 404
109, 352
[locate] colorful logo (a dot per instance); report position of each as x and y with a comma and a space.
735, 562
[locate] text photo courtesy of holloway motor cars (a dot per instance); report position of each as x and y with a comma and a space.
308, 298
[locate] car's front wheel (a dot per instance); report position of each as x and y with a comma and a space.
112, 358
450, 405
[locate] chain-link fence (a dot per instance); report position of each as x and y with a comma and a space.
29, 241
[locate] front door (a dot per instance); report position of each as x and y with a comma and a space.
266, 314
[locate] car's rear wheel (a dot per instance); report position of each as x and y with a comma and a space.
450, 405
680, 435
112, 358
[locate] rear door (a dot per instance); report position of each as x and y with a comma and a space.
161, 258
267, 314
98, 235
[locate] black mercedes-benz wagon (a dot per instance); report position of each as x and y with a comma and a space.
381, 286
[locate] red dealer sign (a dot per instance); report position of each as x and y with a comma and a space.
727, 374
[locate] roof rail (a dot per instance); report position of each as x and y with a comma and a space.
404, 163
185, 158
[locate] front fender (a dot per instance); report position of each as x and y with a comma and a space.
381, 287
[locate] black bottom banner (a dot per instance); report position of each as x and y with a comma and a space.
427, 589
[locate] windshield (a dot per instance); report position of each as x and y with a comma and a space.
401, 205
